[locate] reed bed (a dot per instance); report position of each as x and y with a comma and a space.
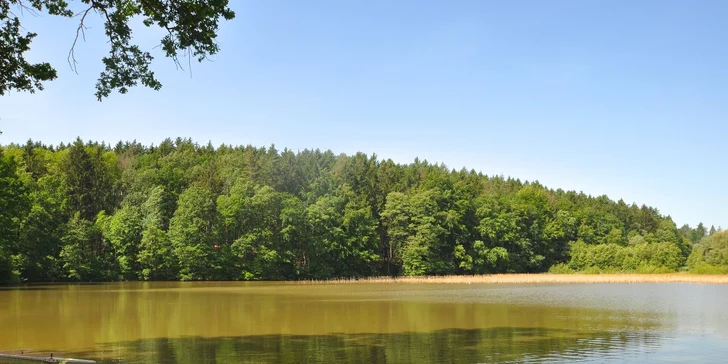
539, 278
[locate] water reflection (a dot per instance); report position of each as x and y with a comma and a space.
264, 322
495, 345
87, 317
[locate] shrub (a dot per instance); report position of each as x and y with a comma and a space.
706, 268
651, 269
560, 268
642, 257
592, 270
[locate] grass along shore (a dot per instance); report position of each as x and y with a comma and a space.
544, 278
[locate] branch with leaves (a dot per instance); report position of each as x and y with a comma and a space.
191, 26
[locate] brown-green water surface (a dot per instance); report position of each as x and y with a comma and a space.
226, 322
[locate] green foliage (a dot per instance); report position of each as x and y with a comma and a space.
345, 233
89, 179
191, 235
13, 204
8, 273
710, 255
640, 258
705, 268
87, 212
420, 226
561, 268
76, 256
526, 230
155, 251
39, 232
615, 237
651, 269
16, 73
189, 26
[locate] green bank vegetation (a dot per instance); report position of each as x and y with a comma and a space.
179, 210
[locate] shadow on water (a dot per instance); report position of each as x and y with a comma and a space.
494, 345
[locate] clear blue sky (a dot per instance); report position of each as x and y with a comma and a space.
624, 98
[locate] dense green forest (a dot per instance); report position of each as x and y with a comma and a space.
179, 210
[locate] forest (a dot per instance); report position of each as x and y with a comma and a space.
87, 211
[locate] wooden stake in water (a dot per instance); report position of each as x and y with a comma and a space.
50, 359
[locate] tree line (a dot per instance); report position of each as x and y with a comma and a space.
87, 211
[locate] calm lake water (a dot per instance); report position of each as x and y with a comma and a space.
369, 323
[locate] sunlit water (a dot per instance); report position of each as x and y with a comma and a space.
369, 323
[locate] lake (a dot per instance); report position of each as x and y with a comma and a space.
261, 322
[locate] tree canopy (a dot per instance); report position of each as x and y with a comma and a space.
87, 211
190, 25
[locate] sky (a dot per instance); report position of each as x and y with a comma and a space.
623, 98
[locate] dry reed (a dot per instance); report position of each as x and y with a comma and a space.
540, 278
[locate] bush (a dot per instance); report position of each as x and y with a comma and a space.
651, 269
710, 254
612, 258
592, 270
602, 256
560, 268
706, 268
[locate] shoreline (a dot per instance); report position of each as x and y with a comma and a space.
545, 278
499, 278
